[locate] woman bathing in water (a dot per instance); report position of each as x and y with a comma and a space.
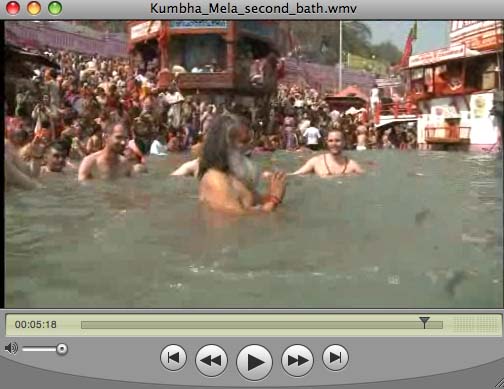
333, 163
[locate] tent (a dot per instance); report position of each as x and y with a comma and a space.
353, 91
349, 97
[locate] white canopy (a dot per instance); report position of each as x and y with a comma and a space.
352, 111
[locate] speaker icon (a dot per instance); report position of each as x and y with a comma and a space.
12, 348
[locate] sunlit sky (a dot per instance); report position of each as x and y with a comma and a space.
431, 35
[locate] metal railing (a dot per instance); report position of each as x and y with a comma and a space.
395, 109
459, 134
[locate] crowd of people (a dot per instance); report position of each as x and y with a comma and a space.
304, 118
102, 118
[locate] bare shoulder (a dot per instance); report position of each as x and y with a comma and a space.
214, 178
216, 182
317, 159
354, 167
92, 157
214, 185
89, 160
87, 166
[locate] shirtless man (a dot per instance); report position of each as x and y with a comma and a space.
228, 179
333, 163
108, 163
55, 158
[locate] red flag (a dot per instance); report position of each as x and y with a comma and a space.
408, 48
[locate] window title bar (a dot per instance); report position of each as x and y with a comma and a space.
244, 9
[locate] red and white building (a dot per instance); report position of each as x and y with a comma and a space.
454, 88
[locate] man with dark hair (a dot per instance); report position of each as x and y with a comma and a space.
108, 163
228, 177
55, 158
333, 163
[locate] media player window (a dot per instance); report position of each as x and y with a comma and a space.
253, 164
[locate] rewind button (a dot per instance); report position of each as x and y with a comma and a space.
297, 360
211, 360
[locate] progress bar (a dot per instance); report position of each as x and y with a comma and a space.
226, 325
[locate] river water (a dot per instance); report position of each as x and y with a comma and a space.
418, 230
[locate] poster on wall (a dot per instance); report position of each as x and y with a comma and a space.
483, 131
480, 106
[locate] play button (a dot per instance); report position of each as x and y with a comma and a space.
335, 357
297, 360
254, 362
173, 357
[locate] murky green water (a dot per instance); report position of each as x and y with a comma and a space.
419, 230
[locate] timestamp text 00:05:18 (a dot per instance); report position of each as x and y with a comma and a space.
35, 324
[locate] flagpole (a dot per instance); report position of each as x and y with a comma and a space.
340, 67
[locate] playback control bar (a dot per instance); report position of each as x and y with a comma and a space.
275, 324
256, 349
